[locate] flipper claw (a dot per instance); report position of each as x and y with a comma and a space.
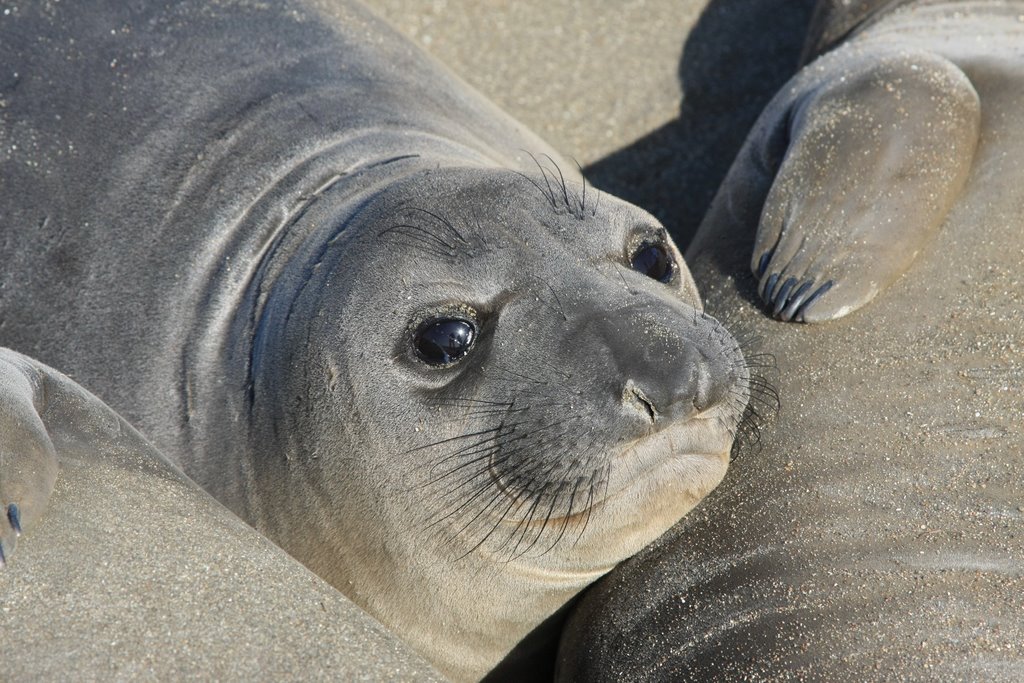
769, 287
14, 517
795, 302
799, 313
783, 295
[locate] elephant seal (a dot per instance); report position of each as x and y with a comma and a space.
323, 277
876, 535
857, 162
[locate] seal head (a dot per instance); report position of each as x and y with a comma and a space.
493, 388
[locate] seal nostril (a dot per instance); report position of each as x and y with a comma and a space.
633, 395
651, 412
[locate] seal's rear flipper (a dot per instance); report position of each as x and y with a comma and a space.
877, 148
38, 408
28, 462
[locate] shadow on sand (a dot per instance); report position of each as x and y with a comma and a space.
737, 56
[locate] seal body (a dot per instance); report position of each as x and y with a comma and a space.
357, 303
875, 533
857, 162
131, 548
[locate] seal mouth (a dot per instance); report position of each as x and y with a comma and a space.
581, 515
680, 458
638, 499
691, 439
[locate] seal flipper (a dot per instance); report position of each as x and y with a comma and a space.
879, 150
28, 461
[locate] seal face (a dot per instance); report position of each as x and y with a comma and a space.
856, 163
538, 378
316, 271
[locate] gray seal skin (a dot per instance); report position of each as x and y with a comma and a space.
876, 535
323, 276
856, 163
131, 548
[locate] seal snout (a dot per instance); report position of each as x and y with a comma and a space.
664, 364
662, 396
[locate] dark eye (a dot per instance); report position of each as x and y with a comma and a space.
653, 261
444, 340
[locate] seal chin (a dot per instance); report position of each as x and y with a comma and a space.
691, 441
647, 485
656, 480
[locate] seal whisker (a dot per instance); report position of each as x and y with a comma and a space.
467, 456
446, 223
537, 185
595, 481
483, 452
487, 454
766, 394
502, 438
555, 498
468, 503
500, 451
496, 411
524, 525
748, 431
486, 449
480, 455
453, 438
496, 495
564, 374
561, 179
547, 521
550, 193
765, 362
420, 234
561, 311
619, 268
418, 230
762, 387
499, 408
565, 519
583, 197
517, 411
552, 180
480, 408
493, 528
519, 376
542, 392
461, 400
426, 241
431, 251
589, 507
